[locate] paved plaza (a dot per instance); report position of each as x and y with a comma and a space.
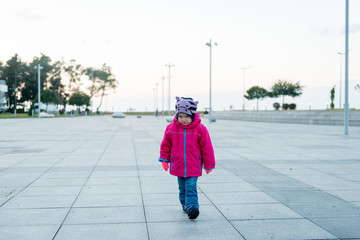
97, 178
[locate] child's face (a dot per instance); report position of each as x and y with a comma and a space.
184, 119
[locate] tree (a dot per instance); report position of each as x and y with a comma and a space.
332, 97
107, 82
93, 76
30, 79
74, 72
257, 93
79, 99
14, 68
48, 96
56, 82
284, 88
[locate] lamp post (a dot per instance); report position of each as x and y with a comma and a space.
38, 67
340, 53
169, 66
15, 90
162, 95
346, 107
156, 99
244, 69
209, 44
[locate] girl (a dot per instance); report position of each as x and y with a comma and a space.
187, 147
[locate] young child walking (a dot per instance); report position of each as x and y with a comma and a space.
187, 147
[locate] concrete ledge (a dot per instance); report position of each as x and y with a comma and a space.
320, 117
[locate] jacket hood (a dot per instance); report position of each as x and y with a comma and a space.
194, 123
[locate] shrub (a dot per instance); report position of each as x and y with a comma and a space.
276, 105
285, 106
292, 106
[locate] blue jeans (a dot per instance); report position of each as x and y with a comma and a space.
188, 192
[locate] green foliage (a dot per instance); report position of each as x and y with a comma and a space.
285, 88
257, 93
292, 106
276, 105
79, 99
49, 96
107, 82
332, 97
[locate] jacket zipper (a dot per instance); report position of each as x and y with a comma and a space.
185, 152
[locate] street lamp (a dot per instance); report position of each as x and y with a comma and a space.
15, 90
38, 67
162, 96
346, 107
209, 44
169, 66
244, 69
340, 53
156, 99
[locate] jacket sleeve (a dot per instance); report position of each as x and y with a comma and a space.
207, 150
165, 147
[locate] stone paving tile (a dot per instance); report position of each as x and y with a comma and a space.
240, 197
129, 231
102, 215
227, 187
40, 202
40, 232
163, 199
193, 230
50, 191
176, 214
257, 211
281, 229
32, 217
110, 200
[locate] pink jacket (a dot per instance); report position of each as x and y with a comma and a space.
187, 148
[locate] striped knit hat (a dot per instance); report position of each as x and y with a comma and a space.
186, 105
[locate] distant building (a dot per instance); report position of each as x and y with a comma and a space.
3, 98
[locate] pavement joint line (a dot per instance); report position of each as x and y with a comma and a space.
31, 182
107, 145
287, 205
142, 196
212, 203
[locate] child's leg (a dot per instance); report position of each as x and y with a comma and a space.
191, 195
181, 182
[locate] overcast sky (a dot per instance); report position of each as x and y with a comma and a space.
295, 40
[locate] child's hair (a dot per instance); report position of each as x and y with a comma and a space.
187, 106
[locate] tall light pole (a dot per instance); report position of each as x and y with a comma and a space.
162, 95
209, 44
340, 53
156, 99
15, 90
244, 69
346, 107
169, 66
38, 67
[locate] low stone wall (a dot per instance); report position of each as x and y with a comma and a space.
296, 116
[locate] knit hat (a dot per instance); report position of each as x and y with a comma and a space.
186, 105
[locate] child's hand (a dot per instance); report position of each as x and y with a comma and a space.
208, 171
165, 165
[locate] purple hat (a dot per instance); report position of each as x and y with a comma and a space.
186, 105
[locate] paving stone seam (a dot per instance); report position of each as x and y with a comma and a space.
93, 168
141, 191
267, 192
222, 214
31, 182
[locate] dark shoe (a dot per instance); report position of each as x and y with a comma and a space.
193, 212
